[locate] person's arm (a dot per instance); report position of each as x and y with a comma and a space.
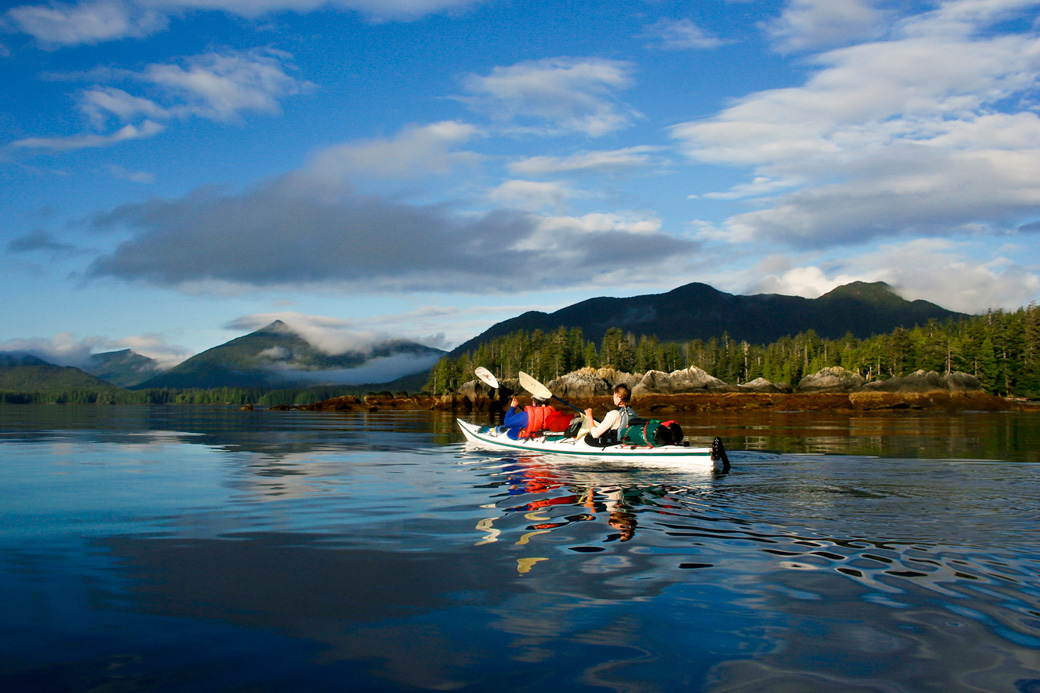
515, 417
608, 423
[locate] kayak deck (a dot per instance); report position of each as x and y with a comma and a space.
495, 439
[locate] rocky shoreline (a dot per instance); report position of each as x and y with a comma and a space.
692, 390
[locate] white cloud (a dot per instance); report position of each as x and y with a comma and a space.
103, 103
332, 336
816, 24
376, 10
218, 85
532, 196
122, 173
62, 24
57, 25
562, 94
283, 233
65, 349
681, 34
414, 152
923, 134
223, 85
601, 161
126, 133
761, 185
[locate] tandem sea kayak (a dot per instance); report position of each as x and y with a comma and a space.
492, 438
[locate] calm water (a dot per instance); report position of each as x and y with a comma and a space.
205, 549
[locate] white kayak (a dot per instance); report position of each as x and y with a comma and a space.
494, 438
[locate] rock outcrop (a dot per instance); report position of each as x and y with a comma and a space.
763, 385
832, 379
927, 381
590, 382
690, 379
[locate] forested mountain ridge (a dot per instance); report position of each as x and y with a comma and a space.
123, 368
275, 356
698, 311
26, 373
1001, 349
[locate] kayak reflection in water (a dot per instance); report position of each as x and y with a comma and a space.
531, 477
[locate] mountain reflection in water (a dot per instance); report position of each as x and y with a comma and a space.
211, 549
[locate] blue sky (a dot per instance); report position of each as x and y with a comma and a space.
176, 173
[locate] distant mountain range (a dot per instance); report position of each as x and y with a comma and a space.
276, 357
698, 311
21, 372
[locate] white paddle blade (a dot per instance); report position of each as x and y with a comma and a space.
487, 376
586, 426
534, 387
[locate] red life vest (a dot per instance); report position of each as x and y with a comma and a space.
544, 419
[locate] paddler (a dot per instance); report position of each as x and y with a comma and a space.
606, 432
532, 420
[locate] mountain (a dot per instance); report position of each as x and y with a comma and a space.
123, 368
25, 373
276, 357
698, 311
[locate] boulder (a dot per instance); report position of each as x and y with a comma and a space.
831, 379
476, 391
962, 382
690, 379
580, 384
763, 385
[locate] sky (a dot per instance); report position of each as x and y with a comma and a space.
177, 173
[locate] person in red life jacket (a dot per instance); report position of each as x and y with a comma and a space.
606, 432
529, 421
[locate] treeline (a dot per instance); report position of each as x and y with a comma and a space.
1002, 349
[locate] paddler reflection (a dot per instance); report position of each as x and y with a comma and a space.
550, 502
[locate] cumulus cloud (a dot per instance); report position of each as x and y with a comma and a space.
816, 24
57, 25
871, 148
285, 233
562, 95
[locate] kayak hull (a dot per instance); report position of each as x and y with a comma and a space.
490, 438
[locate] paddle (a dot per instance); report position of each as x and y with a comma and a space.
487, 376
543, 393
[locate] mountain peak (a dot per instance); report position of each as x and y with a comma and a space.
863, 290
277, 327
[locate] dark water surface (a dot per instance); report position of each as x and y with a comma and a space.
208, 549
